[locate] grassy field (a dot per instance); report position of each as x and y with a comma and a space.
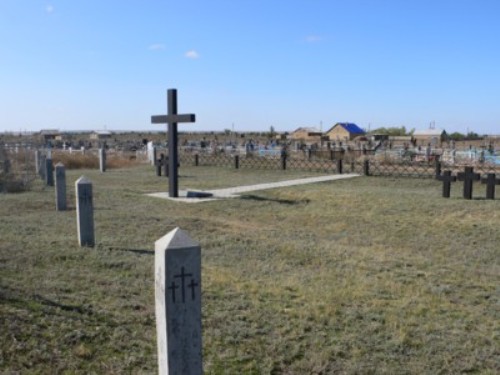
363, 276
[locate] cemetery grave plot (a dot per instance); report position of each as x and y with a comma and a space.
333, 277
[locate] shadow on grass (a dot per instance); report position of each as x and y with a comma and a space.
280, 201
37, 298
135, 251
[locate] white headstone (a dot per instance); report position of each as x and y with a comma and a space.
150, 152
84, 212
60, 173
178, 304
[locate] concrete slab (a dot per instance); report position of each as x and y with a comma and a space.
234, 192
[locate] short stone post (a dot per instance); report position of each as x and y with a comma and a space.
60, 178
49, 172
84, 212
37, 162
236, 161
178, 304
42, 170
102, 160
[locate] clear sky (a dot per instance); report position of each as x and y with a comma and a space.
250, 64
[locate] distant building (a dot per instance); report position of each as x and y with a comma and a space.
100, 135
344, 131
432, 136
306, 134
49, 135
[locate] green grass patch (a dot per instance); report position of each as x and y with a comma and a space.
367, 275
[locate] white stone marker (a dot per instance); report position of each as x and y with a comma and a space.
102, 160
60, 178
178, 304
84, 212
37, 161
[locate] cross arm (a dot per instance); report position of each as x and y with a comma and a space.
165, 119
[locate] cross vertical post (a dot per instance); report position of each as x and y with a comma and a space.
172, 119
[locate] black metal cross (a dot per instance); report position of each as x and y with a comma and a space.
468, 177
172, 118
490, 182
447, 179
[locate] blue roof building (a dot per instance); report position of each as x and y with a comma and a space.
344, 131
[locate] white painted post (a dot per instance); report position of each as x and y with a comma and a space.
60, 173
178, 304
84, 212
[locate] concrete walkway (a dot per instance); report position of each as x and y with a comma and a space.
235, 192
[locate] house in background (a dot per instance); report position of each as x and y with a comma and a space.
344, 131
305, 134
431, 135
100, 135
47, 135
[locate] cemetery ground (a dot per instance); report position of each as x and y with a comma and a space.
367, 275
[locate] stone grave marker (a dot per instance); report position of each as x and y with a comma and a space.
102, 160
178, 304
49, 172
468, 177
84, 212
490, 182
60, 173
172, 118
37, 161
41, 171
447, 179
162, 163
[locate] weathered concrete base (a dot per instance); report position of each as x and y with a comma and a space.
235, 192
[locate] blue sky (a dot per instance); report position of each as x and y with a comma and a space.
250, 64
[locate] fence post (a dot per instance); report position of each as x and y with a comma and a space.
332, 155
283, 160
437, 166
196, 160
367, 167
236, 161
353, 167
339, 166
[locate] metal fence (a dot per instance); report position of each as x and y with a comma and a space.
332, 163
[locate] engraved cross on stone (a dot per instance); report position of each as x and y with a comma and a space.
172, 118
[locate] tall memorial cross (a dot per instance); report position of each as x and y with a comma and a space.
490, 182
468, 177
447, 179
172, 118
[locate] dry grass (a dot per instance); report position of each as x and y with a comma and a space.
370, 275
